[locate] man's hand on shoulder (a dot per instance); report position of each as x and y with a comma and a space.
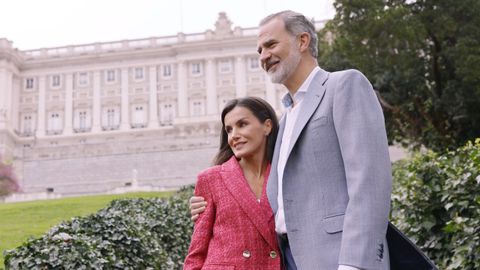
197, 206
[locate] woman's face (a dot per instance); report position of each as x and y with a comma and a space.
247, 136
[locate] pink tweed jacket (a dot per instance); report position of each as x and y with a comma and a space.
235, 231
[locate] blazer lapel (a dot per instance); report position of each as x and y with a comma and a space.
232, 177
272, 186
310, 102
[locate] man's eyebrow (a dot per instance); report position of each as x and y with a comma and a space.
267, 44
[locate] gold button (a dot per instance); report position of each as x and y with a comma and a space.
273, 254
246, 254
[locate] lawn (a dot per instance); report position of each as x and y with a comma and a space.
22, 220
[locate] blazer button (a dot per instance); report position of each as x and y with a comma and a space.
273, 254
246, 254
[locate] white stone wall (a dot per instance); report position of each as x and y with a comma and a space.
167, 169
164, 95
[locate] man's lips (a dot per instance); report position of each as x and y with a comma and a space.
270, 64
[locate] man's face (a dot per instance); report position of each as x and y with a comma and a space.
279, 54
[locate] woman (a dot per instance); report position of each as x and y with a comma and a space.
237, 230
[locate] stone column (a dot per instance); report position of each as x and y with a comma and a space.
96, 127
182, 98
9, 99
15, 111
240, 77
153, 103
211, 85
68, 127
125, 122
3, 98
6, 99
270, 91
41, 107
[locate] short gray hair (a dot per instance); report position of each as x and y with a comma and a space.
295, 24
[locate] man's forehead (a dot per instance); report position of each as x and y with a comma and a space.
271, 30
274, 25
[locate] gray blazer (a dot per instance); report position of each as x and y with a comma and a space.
337, 179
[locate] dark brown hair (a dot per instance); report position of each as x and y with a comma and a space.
262, 111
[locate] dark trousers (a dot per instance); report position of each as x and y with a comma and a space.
287, 257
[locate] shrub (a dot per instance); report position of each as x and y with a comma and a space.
8, 180
436, 202
127, 234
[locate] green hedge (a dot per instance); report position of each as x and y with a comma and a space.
128, 234
436, 202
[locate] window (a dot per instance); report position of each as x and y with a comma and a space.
29, 83
82, 78
27, 125
82, 120
167, 70
254, 63
54, 123
197, 108
195, 68
110, 75
138, 117
55, 81
225, 66
138, 73
167, 114
110, 117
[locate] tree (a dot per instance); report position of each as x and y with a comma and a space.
423, 59
8, 180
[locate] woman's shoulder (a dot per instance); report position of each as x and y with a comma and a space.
209, 174
207, 179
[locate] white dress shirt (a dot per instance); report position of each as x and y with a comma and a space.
293, 105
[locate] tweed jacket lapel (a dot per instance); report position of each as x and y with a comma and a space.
259, 213
310, 102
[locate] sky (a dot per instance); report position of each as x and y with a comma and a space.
34, 24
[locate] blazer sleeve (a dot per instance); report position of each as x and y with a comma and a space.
360, 127
203, 229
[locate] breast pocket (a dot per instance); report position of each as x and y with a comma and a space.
318, 121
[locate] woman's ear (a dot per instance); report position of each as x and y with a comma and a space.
267, 126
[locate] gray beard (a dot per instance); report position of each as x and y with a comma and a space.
286, 69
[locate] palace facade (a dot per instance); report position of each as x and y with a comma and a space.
95, 117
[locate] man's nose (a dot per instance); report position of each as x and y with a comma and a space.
264, 56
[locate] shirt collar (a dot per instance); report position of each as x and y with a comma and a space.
287, 99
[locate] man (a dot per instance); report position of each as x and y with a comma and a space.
330, 181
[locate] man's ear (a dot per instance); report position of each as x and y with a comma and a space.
304, 39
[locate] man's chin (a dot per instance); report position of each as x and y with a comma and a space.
275, 78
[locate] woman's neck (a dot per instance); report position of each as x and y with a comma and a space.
254, 166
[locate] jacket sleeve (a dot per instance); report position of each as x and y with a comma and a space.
203, 229
360, 127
